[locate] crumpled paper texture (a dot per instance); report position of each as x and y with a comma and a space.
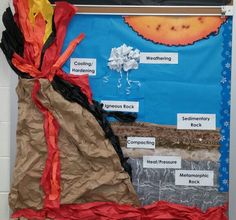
159, 184
90, 167
124, 58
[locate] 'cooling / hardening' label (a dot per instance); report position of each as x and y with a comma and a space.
82, 66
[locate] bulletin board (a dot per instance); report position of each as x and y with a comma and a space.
173, 73
179, 86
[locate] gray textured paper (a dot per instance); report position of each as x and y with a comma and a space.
159, 184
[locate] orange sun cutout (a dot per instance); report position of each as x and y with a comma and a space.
174, 30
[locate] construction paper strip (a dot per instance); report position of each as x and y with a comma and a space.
225, 107
107, 211
33, 33
46, 10
51, 175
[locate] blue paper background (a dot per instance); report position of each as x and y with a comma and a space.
200, 83
192, 86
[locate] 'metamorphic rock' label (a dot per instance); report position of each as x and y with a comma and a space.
194, 178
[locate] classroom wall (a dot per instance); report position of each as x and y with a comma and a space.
5, 72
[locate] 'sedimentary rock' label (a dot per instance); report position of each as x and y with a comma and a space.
196, 121
120, 106
159, 58
81, 66
162, 162
141, 142
194, 178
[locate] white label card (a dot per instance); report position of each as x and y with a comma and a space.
159, 58
162, 162
194, 178
141, 142
82, 66
196, 121
120, 106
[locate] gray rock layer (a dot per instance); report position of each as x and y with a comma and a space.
159, 184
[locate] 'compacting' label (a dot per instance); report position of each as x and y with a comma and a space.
141, 142
81, 66
194, 178
162, 162
120, 106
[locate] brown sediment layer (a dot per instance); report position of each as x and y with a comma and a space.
198, 155
168, 136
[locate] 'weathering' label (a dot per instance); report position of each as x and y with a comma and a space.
159, 58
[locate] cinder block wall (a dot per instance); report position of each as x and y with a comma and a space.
5, 72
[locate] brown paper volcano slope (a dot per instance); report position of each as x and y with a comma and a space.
90, 167
174, 30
